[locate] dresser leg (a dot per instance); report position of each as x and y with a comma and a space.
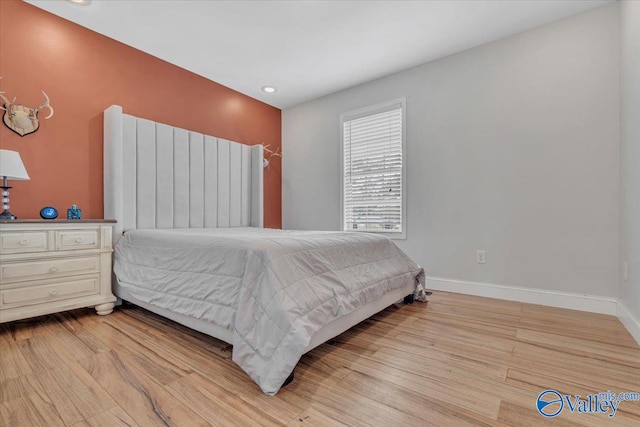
104, 309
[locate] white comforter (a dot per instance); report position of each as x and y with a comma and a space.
274, 289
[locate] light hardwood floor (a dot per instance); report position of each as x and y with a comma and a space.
455, 361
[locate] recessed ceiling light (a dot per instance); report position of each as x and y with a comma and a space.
269, 89
81, 2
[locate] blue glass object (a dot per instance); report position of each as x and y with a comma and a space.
74, 212
48, 212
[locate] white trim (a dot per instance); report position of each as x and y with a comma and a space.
629, 320
573, 301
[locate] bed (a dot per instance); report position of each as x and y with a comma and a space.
190, 246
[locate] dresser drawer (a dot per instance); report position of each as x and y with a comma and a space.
26, 241
77, 239
51, 292
54, 267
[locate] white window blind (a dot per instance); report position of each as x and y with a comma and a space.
373, 170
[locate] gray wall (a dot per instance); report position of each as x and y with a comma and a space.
630, 137
513, 147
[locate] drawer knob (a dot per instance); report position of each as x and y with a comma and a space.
78, 239
24, 242
53, 269
53, 292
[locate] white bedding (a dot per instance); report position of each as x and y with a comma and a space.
272, 288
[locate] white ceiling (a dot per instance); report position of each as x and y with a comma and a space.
307, 49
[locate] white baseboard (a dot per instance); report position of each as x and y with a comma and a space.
572, 301
591, 303
629, 320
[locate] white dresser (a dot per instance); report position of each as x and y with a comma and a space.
47, 266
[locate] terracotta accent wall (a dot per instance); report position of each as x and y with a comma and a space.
84, 73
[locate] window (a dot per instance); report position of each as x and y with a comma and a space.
373, 193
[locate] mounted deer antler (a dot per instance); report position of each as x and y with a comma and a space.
23, 120
272, 153
277, 153
45, 104
5, 101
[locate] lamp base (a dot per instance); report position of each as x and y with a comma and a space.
6, 215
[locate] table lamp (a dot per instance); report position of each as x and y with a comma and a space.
11, 167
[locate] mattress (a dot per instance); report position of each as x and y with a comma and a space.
272, 289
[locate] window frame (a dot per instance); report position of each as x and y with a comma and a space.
364, 112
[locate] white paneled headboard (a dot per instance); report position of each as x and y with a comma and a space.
160, 176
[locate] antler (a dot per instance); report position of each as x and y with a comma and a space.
5, 100
271, 152
45, 104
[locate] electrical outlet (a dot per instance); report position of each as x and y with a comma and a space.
481, 257
625, 271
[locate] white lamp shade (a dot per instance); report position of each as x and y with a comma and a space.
11, 165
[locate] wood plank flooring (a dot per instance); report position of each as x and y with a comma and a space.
456, 361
